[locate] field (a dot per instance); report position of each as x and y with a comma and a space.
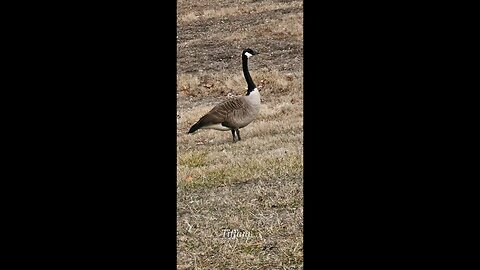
240, 205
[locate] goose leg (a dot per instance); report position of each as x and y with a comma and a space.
238, 134
233, 134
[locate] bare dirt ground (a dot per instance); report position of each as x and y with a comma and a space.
240, 205
213, 42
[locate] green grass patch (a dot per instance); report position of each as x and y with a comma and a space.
192, 159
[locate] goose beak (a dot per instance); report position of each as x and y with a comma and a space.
255, 52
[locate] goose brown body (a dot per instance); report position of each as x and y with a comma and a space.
235, 113
232, 113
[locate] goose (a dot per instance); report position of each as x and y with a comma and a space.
234, 113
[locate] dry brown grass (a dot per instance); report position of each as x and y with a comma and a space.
272, 83
255, 185
239, 8
290, 26
270, 211
269, 158
271, 146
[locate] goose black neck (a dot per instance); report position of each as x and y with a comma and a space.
249, 80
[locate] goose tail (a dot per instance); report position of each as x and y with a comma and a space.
194, 128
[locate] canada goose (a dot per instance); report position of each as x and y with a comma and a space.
234, 113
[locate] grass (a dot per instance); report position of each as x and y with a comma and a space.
271, 146
254, 186
220, 84
270, 211
226, 12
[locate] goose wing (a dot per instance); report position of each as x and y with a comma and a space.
221, 113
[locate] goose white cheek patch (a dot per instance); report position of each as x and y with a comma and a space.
248, 54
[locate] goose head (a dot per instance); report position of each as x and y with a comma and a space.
249, 52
